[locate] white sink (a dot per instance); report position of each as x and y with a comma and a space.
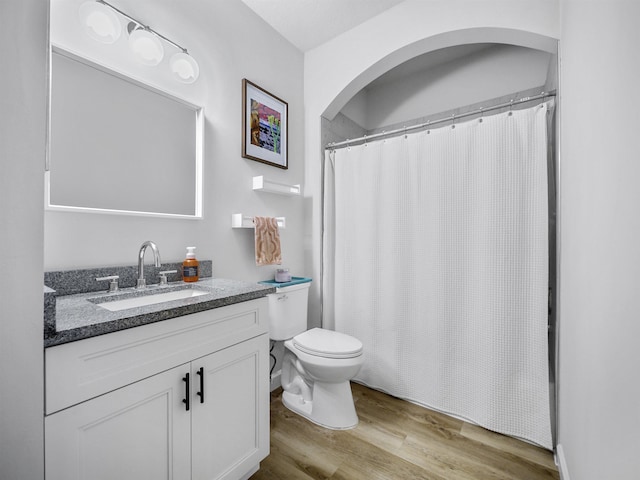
151, 299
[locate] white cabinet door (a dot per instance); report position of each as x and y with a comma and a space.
230, 425
138, 432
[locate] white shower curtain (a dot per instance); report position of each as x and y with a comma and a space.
436, 258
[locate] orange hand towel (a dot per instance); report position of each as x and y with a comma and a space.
267, 241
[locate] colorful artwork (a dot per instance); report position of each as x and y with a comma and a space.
265, 127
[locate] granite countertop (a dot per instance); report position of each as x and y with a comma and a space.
78, 316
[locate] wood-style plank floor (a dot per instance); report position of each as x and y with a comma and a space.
394, 440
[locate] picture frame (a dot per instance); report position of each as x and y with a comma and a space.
264, 126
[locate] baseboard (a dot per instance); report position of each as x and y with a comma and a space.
275, 380
561, 462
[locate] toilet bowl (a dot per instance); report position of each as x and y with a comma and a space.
316, 372
318, 364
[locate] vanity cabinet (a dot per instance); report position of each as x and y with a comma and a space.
138, 431
192, 400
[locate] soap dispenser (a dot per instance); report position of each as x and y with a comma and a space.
190, 266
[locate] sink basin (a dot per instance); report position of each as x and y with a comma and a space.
151, 299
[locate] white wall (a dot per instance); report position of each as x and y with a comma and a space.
491, 72
356, 109
230, 43
410, 29
599, 386
23, 43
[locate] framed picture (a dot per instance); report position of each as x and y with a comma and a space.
264, 126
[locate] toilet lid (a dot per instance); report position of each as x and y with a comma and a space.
327, 343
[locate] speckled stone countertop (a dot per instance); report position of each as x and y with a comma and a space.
79, 316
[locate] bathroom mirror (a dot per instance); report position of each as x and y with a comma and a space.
119, 146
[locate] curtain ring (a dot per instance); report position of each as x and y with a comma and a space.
453, 121
510, 107
481, 114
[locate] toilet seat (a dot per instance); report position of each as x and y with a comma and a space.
328, 344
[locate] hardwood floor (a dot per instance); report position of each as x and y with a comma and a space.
396, 440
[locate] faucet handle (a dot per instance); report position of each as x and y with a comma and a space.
163, 276
113, 282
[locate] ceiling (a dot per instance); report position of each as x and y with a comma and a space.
309, 23
429, 61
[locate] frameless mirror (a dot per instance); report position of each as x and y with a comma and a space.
119, 146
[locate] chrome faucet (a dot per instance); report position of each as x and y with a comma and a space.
142, 283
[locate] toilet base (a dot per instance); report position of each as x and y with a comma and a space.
331, 405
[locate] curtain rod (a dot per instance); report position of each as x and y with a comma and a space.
429, 123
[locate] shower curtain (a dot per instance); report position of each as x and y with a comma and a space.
436, 258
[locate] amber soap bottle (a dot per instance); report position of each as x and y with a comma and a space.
190, 266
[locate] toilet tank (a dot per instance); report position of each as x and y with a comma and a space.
288, 311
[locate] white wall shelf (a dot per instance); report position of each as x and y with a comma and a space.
238, 220
261, 184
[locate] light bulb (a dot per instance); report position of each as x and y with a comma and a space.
100, 21
184, 67
146, 46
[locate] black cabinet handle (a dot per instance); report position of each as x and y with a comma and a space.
187, 389
200, 372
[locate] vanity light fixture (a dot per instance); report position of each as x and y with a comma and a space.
184, 67
101, 22
145, 45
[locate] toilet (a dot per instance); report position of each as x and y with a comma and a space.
317, 365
